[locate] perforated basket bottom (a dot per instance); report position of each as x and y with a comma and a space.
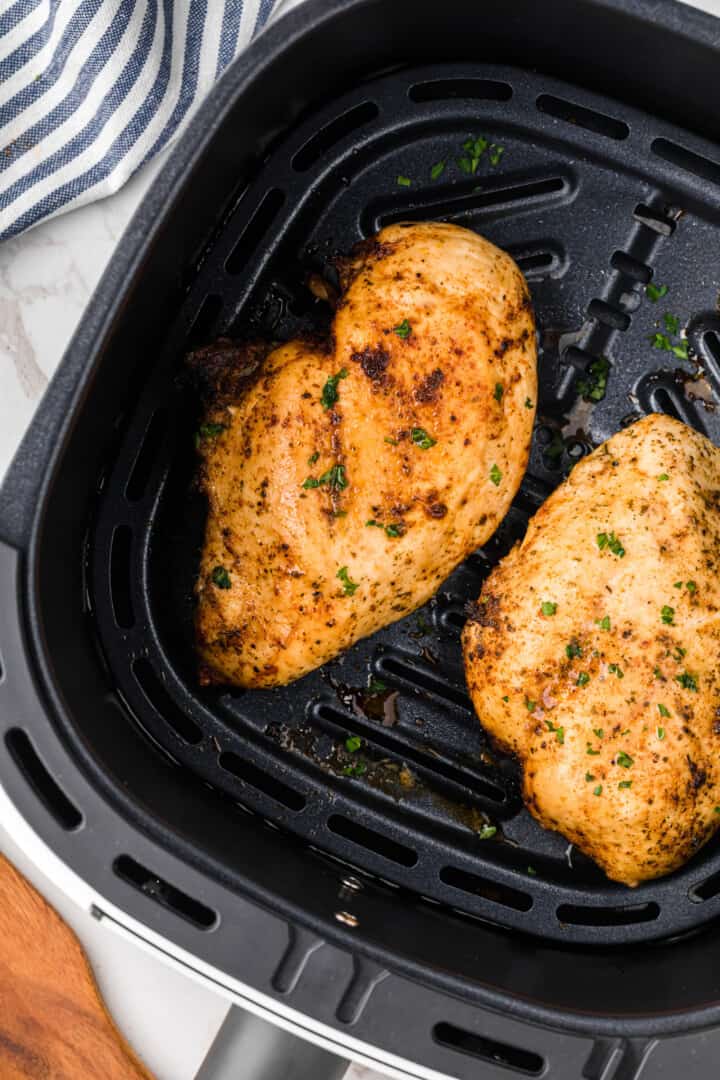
595, 201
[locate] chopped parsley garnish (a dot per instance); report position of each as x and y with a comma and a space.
625, 784
573, 649
615, 669
496, 152
611, 542
528, 403
330, 391
678, 654
532, 871
334, 478
349, 586
437, 170
498, 391
391, 442
594, 385
599, 732
687, 681
548, 607
210, 431
593, 753
691, 586
589, 777
655, 292
404, 181
603, 623
403, 330
661, 341
376, 686
220, 577
487, 832
597, 790
495, 475
393, 530
311, 482
624, 760
421, 438
659, 675
560, 734
672, 323
530, 705
681, 350
667, 614
583, 678
358, 768
663, 710
505, 697
717, 809
663, 476
353, 743
474, 150
313, 458
661, 733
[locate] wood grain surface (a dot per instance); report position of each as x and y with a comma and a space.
53, 1022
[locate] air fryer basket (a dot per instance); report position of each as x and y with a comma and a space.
225, 820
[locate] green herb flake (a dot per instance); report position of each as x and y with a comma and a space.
589, 777
672, 323
437, 170
591, 752
404, 181
376, 686
495, 475
667, 614
678, 654
403, 330
717, 809
532, 871
615, 669
548, 607
603, 623
474, 150
311, 482
505, 698
359, 768
353, 743
374, 524
624, 760
573, 649
657, 673
313, 458
421, 438
210, 431
663, 710
681, 351
220, 578
496, 152
655, 292
583, 678
599, 732
394, 530
691, 586
498, 391
661, 733
530, 706
528, 403
687, 681
349, 586
330, 392
593, 386
663, 476
487, 832
678, 585
598, 790
661, 341
335, 478
560, 735
625, 784
389, 441
611, 542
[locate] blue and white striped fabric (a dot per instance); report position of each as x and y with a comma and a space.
92, 89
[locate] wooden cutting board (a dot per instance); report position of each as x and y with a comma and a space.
53, 1022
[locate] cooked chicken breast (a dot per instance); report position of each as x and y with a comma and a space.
348, 478
593, 653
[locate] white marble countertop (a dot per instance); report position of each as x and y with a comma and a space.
46, 279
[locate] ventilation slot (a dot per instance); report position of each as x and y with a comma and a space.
120, 577
145, 461
654, 219
254, 231
250, 774
632, 268
204, 322
687, 160
582, 117
400, 670
164, 893
332, 133
706, 890
517, 196
163, 704
577, 915
668, 399
453, 618
372, 841
495, 891
439, 766
51, 795
495, 1053
608, 315
447, 89
538, 263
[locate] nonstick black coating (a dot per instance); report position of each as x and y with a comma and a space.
595, 201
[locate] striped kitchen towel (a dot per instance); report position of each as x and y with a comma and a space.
92, 89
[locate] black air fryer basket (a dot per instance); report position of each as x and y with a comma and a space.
224, 821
